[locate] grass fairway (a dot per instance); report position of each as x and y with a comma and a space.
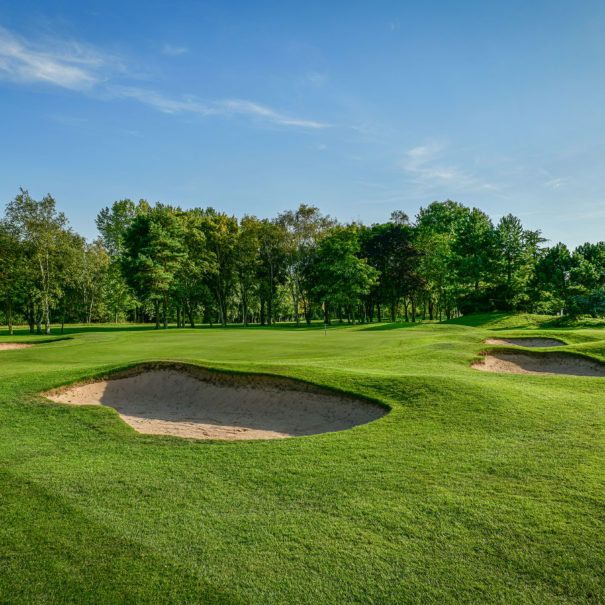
475, 488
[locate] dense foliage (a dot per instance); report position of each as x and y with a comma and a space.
162, 263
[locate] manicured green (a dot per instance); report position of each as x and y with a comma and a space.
474, 488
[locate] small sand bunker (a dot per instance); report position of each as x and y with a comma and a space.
9, 346
544, 363
187, 401
525, 342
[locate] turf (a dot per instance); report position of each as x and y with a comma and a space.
475, 488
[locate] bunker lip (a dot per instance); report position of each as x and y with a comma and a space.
189, 401
533, 342
521, 362
10, 346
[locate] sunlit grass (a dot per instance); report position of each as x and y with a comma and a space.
476, 487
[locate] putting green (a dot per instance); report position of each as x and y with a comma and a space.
475, 487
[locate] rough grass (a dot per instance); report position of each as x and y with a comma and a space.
475, 488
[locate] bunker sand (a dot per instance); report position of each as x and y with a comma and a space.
197, 403
9, 346
528, 363
525, 342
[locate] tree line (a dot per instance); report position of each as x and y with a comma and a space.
164, 264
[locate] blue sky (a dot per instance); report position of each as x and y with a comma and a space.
358, 107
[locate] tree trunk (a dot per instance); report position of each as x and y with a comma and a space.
262, 312
157, 314
190, 315
9, 317
38, 322
165, 309
296, 305
30, 317
222, 308
308, 312
393, 310
46, 317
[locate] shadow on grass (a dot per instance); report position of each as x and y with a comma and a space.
23, 331
392, 326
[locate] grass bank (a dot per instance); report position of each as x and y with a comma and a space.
476, 487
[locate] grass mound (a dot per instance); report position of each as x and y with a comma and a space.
474, 488
506, 321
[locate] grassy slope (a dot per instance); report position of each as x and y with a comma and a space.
476, 487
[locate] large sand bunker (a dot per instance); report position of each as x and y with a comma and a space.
543, 363
187, 401
525, 342
9, 346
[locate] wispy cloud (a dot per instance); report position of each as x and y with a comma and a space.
316, 78
225, 107
69, 65
165, 104
427, 166
78, 67
556, 183
173, 51
249, 108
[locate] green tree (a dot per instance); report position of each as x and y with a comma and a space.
221, 232
247, 261
472, 252
340, 276
516, 254
435, 233
304, 228
389, 248
12, 271
550, 286
191, 287
113, 223
271, 267
43, 233
153, 253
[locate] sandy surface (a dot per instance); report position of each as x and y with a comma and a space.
9, 346
525, 342
527, 363
221, 406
